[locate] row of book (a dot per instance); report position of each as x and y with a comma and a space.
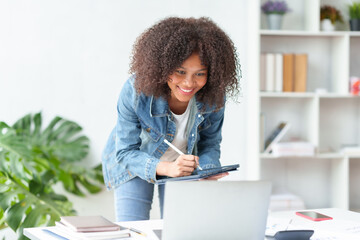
283, 72
87, 228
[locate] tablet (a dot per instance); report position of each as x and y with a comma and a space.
199, 174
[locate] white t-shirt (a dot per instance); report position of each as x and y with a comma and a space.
180, 139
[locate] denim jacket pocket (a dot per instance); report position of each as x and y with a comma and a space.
151, 131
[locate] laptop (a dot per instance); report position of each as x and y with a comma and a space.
216, 210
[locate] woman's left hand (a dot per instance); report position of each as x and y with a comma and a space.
217, 176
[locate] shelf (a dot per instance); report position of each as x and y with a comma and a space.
287, 94
336, 95
305, 95
316, 156
300, 33
354, 34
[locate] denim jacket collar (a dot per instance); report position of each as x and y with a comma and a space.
159, 107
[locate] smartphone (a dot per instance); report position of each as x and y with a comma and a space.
314, 216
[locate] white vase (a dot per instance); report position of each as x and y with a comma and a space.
274, 21
326, 25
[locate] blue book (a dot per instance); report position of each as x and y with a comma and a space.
55, 234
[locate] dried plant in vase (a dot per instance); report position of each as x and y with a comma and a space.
329, 15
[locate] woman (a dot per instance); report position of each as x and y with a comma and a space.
182, 70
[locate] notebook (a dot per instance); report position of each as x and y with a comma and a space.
89, 223
199, 174
216, 210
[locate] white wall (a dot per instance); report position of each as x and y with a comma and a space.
71, 57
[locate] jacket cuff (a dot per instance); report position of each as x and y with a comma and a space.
150, 169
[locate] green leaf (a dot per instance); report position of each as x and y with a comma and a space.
47, 176
7, 198
32, 220
17, 168
11, 142
45, 136
35, 187
32, 160
37, 122
89, 186
57, 197
16, 213
67, 180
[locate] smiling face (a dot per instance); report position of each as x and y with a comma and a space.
187, 80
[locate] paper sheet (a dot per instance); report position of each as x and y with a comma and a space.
324, 230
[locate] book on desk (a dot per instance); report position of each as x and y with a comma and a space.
87, 227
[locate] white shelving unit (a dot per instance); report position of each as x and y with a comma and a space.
328, 120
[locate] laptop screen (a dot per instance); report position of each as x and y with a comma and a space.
216, 210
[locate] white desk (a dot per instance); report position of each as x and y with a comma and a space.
148, 226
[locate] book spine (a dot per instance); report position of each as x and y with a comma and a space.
270, 72
278, 72
288, 72
301, 61
263, 72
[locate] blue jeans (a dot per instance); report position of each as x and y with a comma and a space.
133, 200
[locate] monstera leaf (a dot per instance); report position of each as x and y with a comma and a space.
32, 161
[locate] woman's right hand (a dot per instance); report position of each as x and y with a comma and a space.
184, 165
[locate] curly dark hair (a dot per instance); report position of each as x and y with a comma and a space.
162, 48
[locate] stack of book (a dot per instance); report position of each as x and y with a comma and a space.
303, 149
87, 227
285, 201
351, 150
283, 72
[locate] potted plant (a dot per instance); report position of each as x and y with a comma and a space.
32, 161
329, 15
274, 11
354, 14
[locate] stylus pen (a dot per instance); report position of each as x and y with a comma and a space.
177, 150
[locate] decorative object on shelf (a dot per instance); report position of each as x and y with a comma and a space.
354, 85
329, 15
274, 11
354, 14
276, 135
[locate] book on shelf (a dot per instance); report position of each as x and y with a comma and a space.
278, 72
300, 76
276, 135
263, 72
295, 148
270, 72
88, 223
288, 72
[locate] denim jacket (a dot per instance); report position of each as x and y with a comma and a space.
136, 143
